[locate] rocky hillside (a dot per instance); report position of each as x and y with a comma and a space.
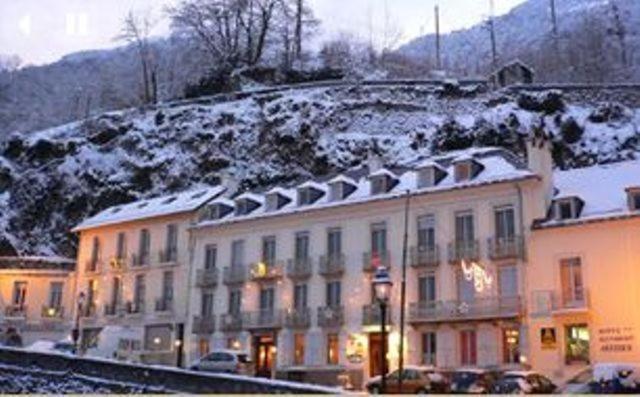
52, 179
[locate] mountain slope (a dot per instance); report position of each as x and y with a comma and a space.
586, 30
50, 180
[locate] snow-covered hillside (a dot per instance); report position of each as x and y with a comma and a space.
51, 180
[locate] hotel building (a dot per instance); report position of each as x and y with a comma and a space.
133, 269
36, 297
286, 273
584, 267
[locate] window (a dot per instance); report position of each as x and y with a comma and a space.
55, 294
269, 250
378, 238
332, 349
636, 201
206, 308
336, 191
204, 347
571, 282
334, 242
508, 280
511, 346
92, 294
505, 223
116, 292
464, 227
426, 177
466, 290
429, 347
172, 242
304, 196
237, 253
566, 209
272, 202
235, 301
19, 293
302, 246
300, 296
210, 256
267, 299
427, 288
462, 171
378, 185
577, 343
167, 287
95, 252
121, 247
468, 347
139, 292
143, 251
298, 349
426, 233
333, 293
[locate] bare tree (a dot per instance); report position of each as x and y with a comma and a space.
136, 30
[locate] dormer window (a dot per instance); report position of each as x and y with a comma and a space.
567, 208
275, 201
379, 184
217, 211
466, 170
246, 206
308, 195
430, 176
340, 190
634, 198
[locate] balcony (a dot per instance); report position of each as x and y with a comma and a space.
168, 256
231, 322
204, 325
92, 266
207, 278
164, 305
424, 257
133, 308
506, 248
265, 271
373, 260
236, 274
267, 318
298, 318
139, 261
113, 309
331, 265
547, 302
118, 264
330, 316
52, 312
464, 250
371, 315
299, 269
18, 312
89, 310
455, 310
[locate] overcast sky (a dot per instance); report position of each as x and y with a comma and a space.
41, 31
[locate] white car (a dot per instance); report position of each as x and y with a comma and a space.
228, 361
49, 346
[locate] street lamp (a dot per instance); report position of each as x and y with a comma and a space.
75, 334
382, 286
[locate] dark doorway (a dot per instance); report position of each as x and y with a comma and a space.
264, 348
375, 351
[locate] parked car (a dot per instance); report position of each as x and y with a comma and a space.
229, 361
523, 382
615, 378
44, 346
415, 380
579, 383
472, 381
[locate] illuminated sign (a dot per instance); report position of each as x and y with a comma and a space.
478, 275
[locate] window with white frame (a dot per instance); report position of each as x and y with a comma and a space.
462, 171
210, 256
571, 281
426, 233
426, 177
429, 348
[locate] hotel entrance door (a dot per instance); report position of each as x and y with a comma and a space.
265, 349
375, 350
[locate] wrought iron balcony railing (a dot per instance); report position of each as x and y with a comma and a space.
332, 265
261, 271
456, 310
206, 278
204, 324
467, 250
298, 318
236, 274
299, 268
371, 314
506, 247
373, 260
330, 316
425, 256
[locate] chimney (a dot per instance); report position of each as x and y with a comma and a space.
375, 162
229, 182
540, 161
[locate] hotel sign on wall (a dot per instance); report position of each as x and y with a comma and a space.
616, 339
548, 338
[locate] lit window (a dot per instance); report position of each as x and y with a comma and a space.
577, 342
332, 349
298, 349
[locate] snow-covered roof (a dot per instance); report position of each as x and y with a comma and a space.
151, 208
37, 263
313, 185
383, 172
601, 188
342, 178
499, 166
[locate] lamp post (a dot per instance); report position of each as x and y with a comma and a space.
75, 334
382, 286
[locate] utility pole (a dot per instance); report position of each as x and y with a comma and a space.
438, 59
403, 288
